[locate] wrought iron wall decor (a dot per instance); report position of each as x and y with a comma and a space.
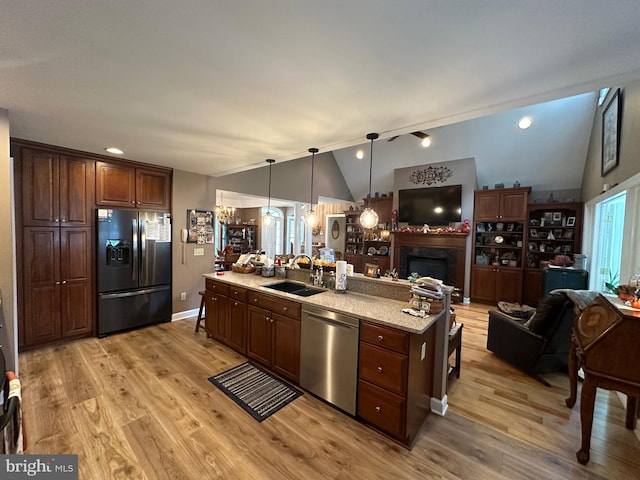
430, 175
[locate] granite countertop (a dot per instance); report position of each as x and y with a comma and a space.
366, 307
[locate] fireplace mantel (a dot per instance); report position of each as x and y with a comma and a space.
453, 241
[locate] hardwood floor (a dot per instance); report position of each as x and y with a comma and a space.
138, 406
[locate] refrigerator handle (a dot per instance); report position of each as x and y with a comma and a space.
143, 252
134, 263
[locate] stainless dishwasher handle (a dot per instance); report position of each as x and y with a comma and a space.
335, 323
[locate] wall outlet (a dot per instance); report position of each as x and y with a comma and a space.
183, 296
198, 252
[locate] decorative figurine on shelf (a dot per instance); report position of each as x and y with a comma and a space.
425, 228
394, 219
466, 228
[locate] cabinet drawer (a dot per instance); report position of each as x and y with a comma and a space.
385, 337
217, 287
274, 304
238, 293
383, 368
381, 409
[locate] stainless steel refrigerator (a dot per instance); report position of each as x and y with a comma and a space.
134, 269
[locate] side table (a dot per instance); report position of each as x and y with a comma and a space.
455, 343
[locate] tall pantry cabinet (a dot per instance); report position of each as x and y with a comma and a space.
54, 210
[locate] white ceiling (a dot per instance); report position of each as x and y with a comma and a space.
218, 86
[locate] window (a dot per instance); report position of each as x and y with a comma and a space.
272, 235
607, 240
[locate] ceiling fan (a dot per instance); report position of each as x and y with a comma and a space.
420, 135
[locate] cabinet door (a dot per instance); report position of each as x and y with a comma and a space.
483, 284
486, 206
508, 285
260, 336
115, 185
40, 188
41, 295
237, 334
153, 189
513, 206
286, 347
76, 192
220, 320
76, 294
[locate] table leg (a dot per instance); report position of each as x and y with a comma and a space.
587, 401
632, 412
573, 376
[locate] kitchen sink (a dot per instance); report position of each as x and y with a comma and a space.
295, 288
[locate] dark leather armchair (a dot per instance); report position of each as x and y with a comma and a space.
538, 345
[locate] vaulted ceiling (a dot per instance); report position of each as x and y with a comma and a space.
214, 87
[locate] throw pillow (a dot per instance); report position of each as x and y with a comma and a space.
547, 312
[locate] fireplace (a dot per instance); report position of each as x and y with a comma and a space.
435, 263
439, 256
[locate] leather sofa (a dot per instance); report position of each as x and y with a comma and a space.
537, 345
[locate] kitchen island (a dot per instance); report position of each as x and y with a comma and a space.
402, 360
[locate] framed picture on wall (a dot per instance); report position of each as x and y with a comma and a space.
199, 227
611, 134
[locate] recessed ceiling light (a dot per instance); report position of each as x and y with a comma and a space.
426, 141
524, 123
114, 150
359, 154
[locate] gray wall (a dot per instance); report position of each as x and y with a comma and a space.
290, 180
463, 172
6, 244
628, 164
190, 191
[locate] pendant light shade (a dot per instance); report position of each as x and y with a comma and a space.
268, 218
369, 217
310, 217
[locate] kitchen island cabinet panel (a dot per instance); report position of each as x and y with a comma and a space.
383, 367
286, 347
237, 331
274, 334
382, 409
260, 335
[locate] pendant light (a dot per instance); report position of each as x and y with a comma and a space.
369, 217
310, 217
268, 218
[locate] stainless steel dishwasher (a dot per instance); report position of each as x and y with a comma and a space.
329, 356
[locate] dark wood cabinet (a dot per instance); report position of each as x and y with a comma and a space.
395, 379
226, 314
501, 204
122, 185
57, 273
274, 334
553, 229
217, 316
57, 190
496, 283
499, 246
383, 207
54, 218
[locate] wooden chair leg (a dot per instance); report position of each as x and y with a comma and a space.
200, 317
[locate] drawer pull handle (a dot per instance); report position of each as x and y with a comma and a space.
380, 369
255, 300
380, 338
285, 308
235, 304
378, 409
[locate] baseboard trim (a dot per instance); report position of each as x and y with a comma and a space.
185, 314
439, 406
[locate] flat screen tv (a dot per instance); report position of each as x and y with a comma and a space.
435, 206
